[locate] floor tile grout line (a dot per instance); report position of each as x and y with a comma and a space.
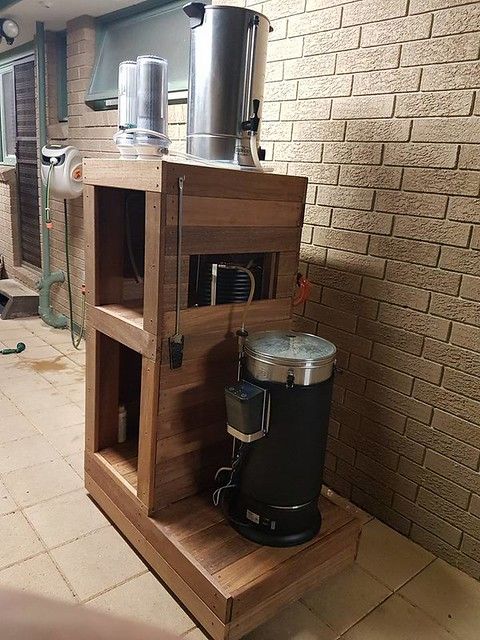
434, 559
414, 604
392, 593
64, 543
18, 562
64, 577
21, 507
352, 625
117, 584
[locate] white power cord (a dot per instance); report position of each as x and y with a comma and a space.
197, 159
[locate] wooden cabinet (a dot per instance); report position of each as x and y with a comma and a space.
156, 485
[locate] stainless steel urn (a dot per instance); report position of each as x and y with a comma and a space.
227, 74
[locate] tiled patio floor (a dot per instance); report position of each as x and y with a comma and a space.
54, 541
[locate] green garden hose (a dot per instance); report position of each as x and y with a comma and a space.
48, 219
76, 340
18, 349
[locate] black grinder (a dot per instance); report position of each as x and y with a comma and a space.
279, 412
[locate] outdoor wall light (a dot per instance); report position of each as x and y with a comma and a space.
8, 30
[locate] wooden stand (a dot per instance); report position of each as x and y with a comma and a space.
156, 486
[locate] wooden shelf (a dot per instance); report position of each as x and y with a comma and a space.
123, 461
129, 312
230, 584
124, 323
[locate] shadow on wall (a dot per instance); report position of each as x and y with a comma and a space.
386, 281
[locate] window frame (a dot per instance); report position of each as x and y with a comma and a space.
7, 159
9, 60
103, 101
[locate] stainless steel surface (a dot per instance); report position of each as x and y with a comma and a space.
276, 356
127, 94
152, 105
227, 72
152, 94
244, 437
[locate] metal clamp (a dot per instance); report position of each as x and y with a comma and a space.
263, 431
290, 382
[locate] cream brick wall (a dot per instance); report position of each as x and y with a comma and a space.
92, 132
376, 104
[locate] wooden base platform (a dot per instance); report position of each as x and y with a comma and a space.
229, 584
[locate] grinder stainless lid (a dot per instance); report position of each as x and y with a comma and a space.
280, 355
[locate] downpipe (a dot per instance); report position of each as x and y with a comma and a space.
45, 309
44, 285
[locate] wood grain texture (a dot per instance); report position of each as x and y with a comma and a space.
124, 323
233, 212
102, 391
89, 203
142, 175
147, 445
227, 183
228, 317
240, 239
239, 583
182, 438
154, 263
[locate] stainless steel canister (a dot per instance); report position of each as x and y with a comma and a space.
289, 357
227, 74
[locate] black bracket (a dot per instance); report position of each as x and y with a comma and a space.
175, 346
253, 123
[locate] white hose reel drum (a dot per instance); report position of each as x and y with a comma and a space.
66, 179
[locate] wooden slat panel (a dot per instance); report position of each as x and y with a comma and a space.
219, 546
147, 447
200, 181
227, 183
279, 578
101, 413
124, 459
192, 440
186, 486
177, 401
221, 212
187, 517
227, 317
299, 585
124, 324
154, 262
221, 344
247, 568
178, 534
208, 240
188, 464
141, 175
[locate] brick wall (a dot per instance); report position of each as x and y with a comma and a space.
92, 132
375, 102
